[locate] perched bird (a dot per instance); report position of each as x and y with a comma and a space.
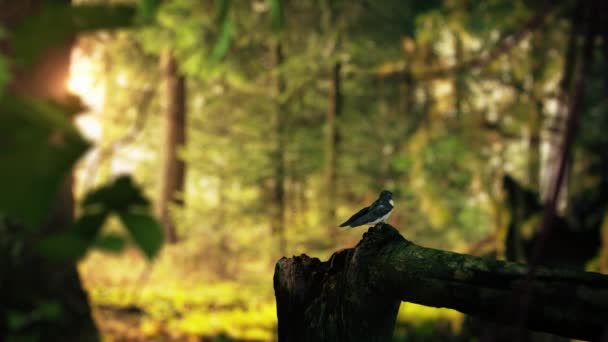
378, 212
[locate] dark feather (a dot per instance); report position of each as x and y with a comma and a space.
376, 211
359, 214
380, 208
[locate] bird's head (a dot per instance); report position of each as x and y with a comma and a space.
385, 194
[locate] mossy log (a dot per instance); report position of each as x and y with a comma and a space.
355, 295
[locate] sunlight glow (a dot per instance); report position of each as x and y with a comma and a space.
84, 82
89, 125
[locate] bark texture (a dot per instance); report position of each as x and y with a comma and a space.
355, 295
173, 167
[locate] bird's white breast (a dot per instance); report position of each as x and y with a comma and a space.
383, 218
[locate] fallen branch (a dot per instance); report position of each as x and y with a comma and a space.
355, 296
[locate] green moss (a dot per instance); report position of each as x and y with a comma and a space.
463, 275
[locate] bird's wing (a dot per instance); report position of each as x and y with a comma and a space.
380, 209
359, 214
374, 212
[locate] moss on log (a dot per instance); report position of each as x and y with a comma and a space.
355, 295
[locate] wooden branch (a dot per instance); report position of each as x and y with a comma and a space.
355, 296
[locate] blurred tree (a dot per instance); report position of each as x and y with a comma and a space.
278, 124
330, 27
173, 167
332, 141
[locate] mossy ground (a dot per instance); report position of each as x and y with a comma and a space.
133, 301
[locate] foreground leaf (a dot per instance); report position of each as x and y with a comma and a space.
145, 230
38, 146
110, 242
88, 225
57, 23
117, 196
64, 246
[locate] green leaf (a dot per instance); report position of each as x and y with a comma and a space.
46, 311
223, 7
110, 242
145, 230
124, 198
276, 14
63, 246
117, 196
223, 42
146, 10
88, 225
226, 27
58, 23
401, 163
5, 75
38, 146
16, 320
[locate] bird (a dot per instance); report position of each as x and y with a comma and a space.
376, 213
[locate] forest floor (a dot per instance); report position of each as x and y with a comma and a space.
133, 301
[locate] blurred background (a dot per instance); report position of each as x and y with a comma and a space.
251, 129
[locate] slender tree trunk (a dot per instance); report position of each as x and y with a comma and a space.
332, 141
173, 167
388, 143
603, 258
458, 80
559, 179
37, 280
538, 56
355, 295
406, 98
603, 254
556, 137
534, 126
223, 261
278, 215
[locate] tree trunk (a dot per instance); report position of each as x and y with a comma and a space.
278, 215
332, 140
534, 146
603, 257
173, 167
458, 80
35, 281
556, 138
355, 296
